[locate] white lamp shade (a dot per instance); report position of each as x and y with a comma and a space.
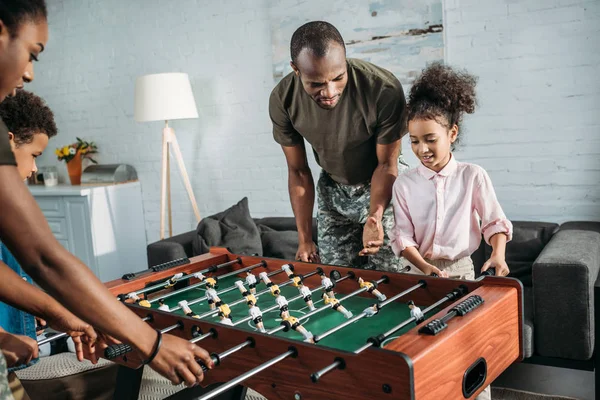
164, 97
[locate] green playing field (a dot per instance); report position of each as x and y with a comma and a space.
349, 338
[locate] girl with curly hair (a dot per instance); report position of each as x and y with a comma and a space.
444, 206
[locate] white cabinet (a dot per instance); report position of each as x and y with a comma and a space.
102, 225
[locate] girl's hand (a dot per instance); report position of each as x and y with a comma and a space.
437, 271
497, 262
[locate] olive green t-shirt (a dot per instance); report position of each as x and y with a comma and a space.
371, 110
6, 155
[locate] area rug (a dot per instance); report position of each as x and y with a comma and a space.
512, 394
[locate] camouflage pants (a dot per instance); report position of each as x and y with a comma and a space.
341, 215
5, 390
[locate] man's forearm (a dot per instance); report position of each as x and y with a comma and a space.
24, 230
15, 291
302, 196
381, 188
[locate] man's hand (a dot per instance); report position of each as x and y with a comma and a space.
307, 252
18, 349
84, 336
176, 361
497, 262
372, 236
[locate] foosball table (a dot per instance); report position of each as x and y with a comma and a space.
311, 331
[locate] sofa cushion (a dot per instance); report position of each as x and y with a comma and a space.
232, 228
563, 284
285, 224
278, 244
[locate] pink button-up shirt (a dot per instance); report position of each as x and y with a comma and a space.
444, 214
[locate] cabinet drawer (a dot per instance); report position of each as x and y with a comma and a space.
58, 226
52, 206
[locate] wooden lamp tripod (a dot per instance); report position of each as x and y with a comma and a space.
167, 97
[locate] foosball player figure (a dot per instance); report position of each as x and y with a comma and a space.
283, 305
273, 287
416, 312
336, 305
296, 280
211, 283
292, 323
256, 316
162, 306
251, 282
225, 320
371, 289
187, 310
173, 280
250, 299
327, 284
200, 276
370, 311
138, 300
306, 295
212, 297
223, 309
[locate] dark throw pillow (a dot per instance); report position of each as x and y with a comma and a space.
232, 228
279, 244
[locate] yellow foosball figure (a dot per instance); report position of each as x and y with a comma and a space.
250, 298
296, 280
138, 300
336, 305
292, 323
224, 308
273, 287
371, 289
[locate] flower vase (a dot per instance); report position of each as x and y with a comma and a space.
74, 169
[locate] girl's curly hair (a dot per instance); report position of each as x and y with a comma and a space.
443, 95
26, 115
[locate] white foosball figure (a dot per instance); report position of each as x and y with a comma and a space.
336, 305
273, 287
307, 296
283, 306
173, 280
370, 311
327, 285
251, 282
256, 316
371, 289
295, 278
186, 309
212, 297
162, 306
200, 276
416, 312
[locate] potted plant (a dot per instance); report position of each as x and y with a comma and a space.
73, 154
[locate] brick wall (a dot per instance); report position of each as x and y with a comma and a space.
536, 130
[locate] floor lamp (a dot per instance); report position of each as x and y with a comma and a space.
165, 97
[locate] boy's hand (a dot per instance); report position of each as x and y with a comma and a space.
437, 271
497, 262
18, 349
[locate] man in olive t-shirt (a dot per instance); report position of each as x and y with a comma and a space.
353, 115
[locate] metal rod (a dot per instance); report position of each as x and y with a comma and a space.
266, 310
223, 388
185, 289
328, 306
336, 364
202, 337
234, 349
230, 288
209, 269
62, 335
199, 299
363, 314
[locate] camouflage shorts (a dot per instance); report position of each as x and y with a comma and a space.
341, 215
5, 390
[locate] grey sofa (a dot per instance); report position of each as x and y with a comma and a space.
557, 264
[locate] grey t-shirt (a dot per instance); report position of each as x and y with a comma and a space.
6, 155
371, 110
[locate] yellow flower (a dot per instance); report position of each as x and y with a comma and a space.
58, 152
66, 150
